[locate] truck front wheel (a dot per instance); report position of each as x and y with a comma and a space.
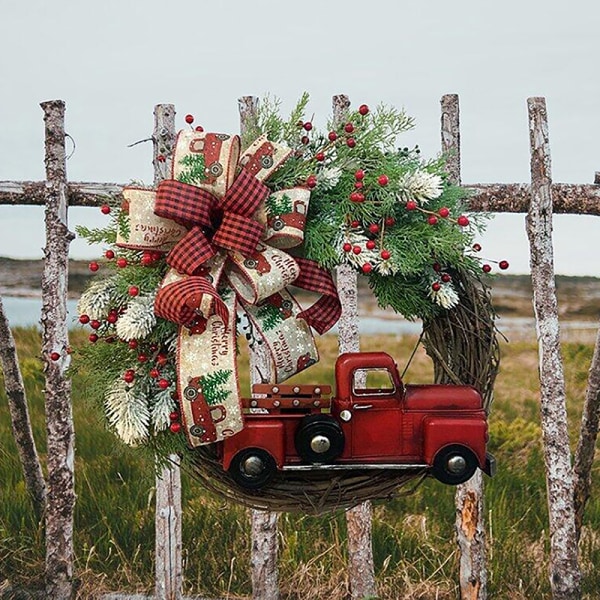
252, 468
319, 439
454, 464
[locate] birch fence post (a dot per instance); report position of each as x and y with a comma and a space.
565, 575
359, 519
265, 584
469, 525
168, 532
59, 415
19, 416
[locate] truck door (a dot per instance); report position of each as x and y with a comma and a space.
376, 417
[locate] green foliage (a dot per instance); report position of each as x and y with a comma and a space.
270, 316
194, 173
281, 205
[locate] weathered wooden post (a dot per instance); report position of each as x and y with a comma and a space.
59, 415
168, 567
470, 526
565, 576
359, 519
265, 576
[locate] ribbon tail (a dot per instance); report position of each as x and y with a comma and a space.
325, 312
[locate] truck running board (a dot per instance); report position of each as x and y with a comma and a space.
354, 467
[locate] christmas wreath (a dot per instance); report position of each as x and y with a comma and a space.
215, 248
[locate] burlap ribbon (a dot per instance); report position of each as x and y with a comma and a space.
227, 247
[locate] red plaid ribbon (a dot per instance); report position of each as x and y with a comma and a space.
230, 218
325, 312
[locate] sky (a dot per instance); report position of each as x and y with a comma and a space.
112, 61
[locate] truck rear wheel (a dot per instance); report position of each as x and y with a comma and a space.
319, 439
454, 464
252, 468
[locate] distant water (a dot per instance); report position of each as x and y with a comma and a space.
25, 312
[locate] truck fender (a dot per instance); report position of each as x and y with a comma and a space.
442, 431
265, 434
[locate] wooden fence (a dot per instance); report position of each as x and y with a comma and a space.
538, 199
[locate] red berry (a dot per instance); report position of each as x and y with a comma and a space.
411, 205
175, 427
359, 185
54, 356
147, 259
320, 156
383, 180
311, 182
371, 245
351, 142
199, 128
486, 268
134, 290
332, 136
357, 197
385, 254
359, 175
367, 268
133, 344
307, 126
121, 262
363, 109
142, 358
109, 254
189, 119
156, 255
446, 278
443, 212
153, 347
129, 375
112, 317
347, 247
95, 324
355, 224
437, 267
94, 266
174, 416
84, 319
389, 221
109, 340
154, 373
105, 208
304, 139
477, 247
162, 360
436, 286
163, 384
374, 228
161, 158
348, 128
503, 264
462, 221
93, 338
432, 219
356, 249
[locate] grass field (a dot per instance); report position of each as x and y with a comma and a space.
413, 538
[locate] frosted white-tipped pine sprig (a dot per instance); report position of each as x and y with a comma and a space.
139, 319
446, 296
162, 406
127, 412
420, 186
329, 177
356, 238
96, 301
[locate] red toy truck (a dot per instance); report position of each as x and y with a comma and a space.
373, 422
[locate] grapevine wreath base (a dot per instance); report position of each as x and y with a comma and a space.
240, 221
464, 348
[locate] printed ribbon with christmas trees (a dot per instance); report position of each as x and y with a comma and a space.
225, 233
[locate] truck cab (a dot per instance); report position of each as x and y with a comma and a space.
373, 421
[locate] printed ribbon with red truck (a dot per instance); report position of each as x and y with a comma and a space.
224, 230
